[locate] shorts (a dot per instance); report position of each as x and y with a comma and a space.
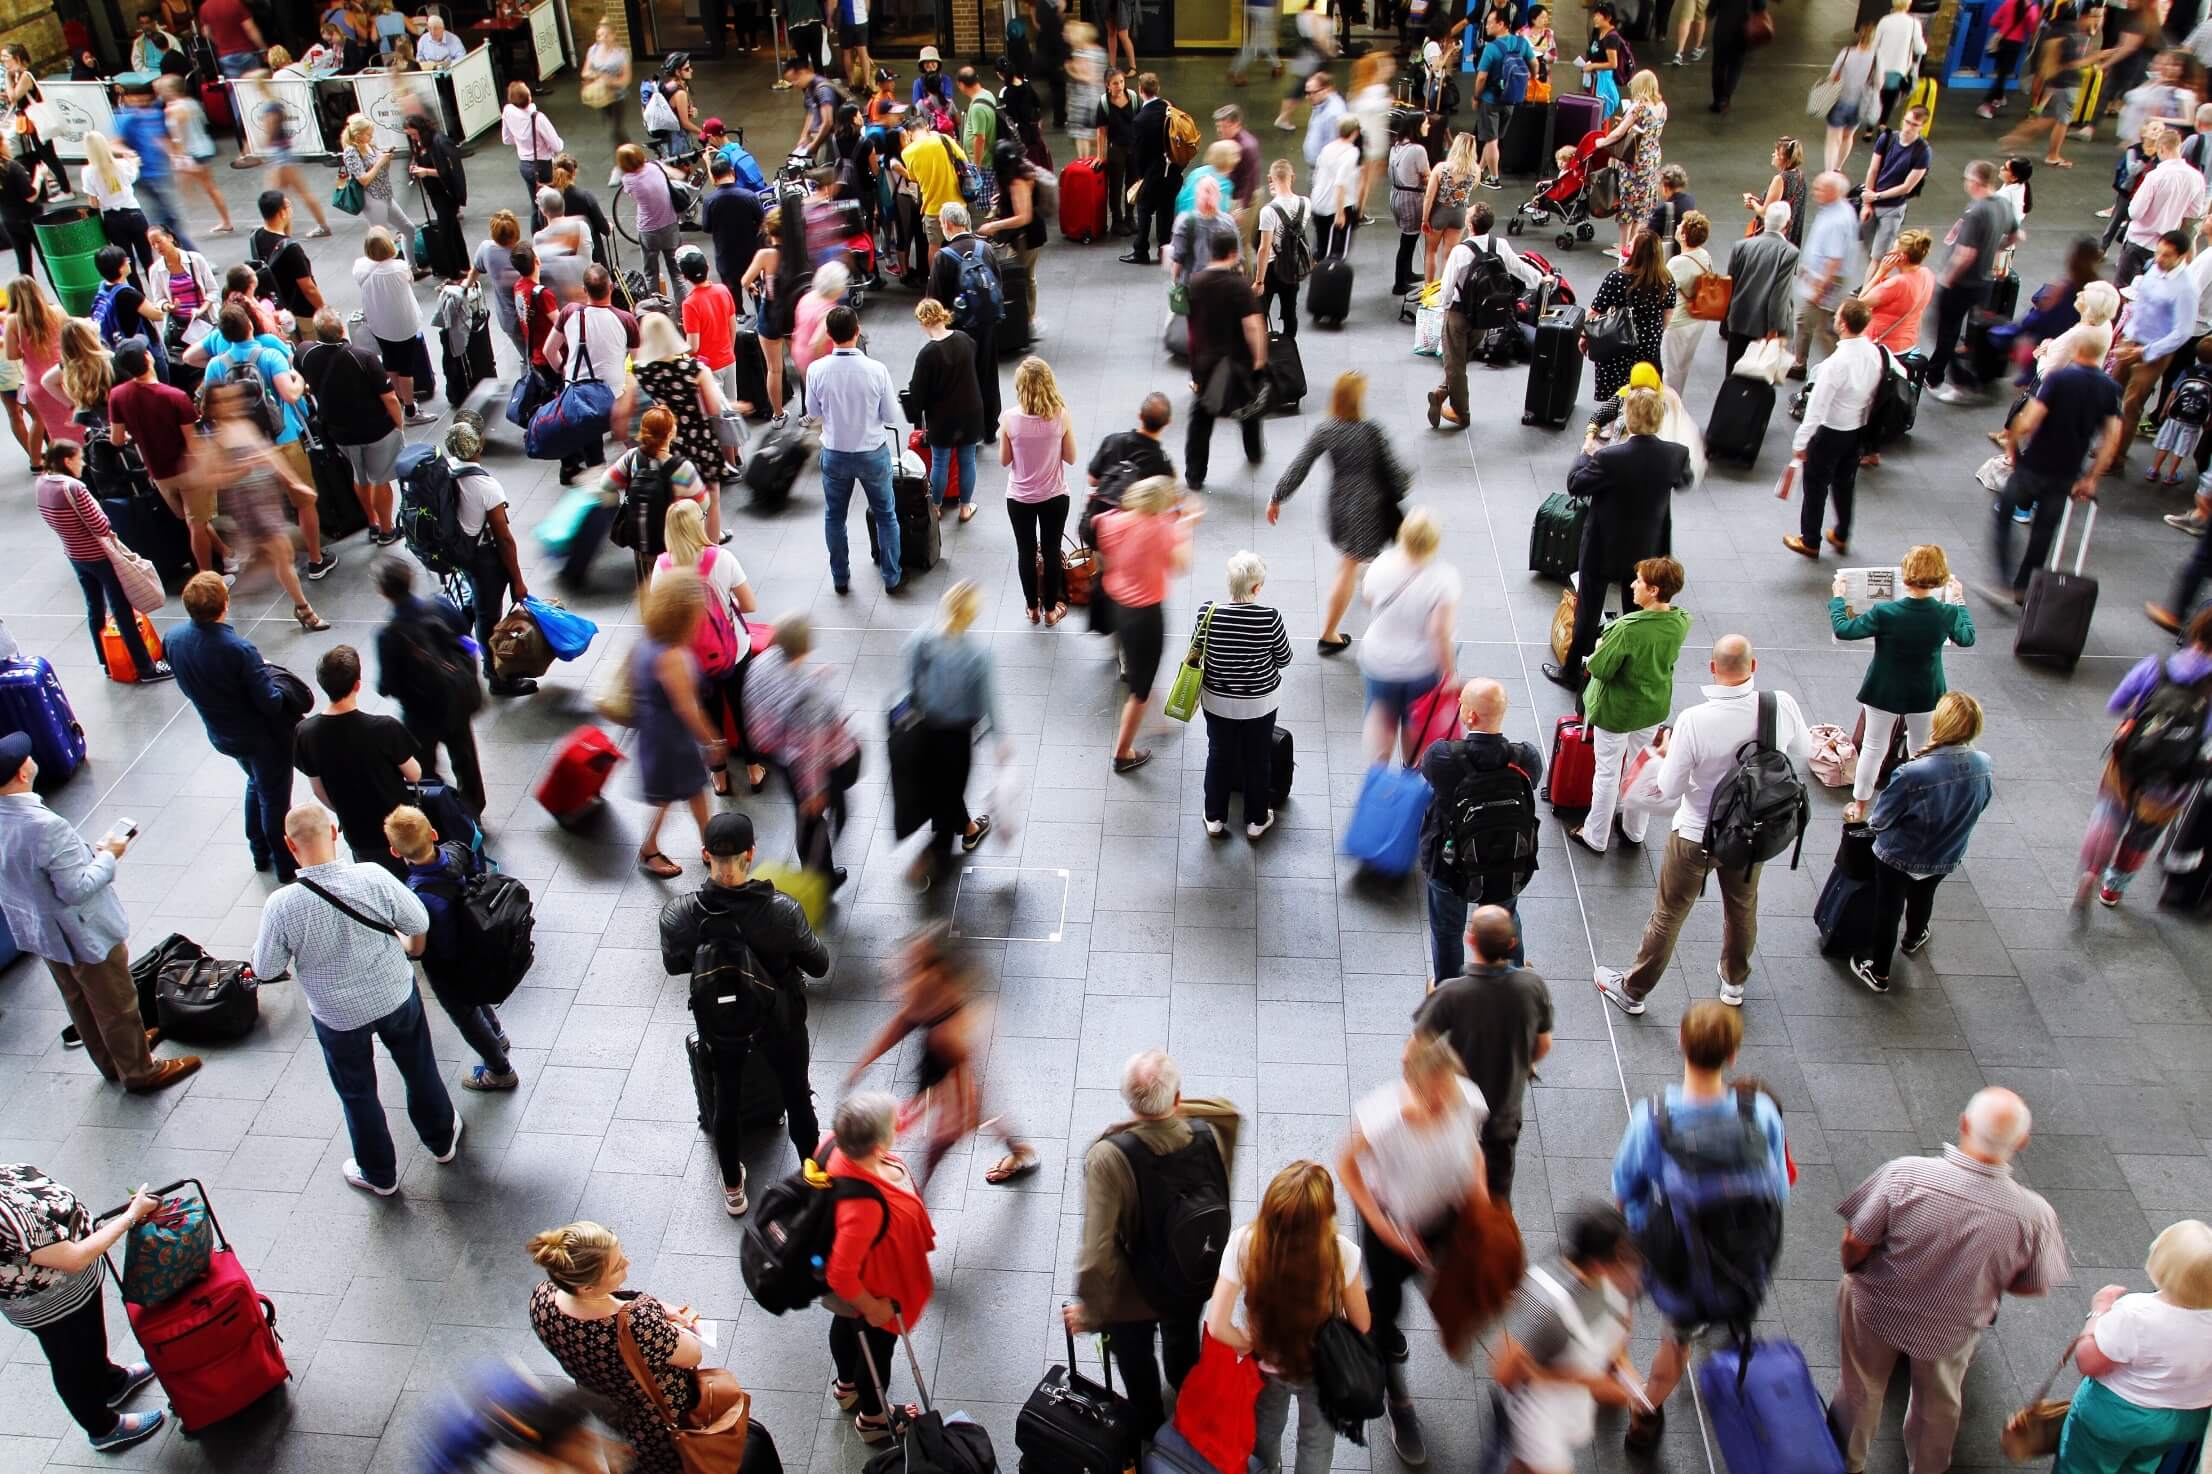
2178, 438
1143, 632
1448, 217
2058, 102
198, 498
726, 376
411, 358
1123, 15
1697, 9
1845, 114
1398, 696
1491, 119
933, 229
294, 455
377, 462
852, 37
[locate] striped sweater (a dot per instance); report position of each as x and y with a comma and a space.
1246, 650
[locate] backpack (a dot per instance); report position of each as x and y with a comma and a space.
1294, 254
979, 304
2162, 742
492, 921
716, 642
1710, 1242
1488, 294
1488, 828
1889, 416
1760, 808
660, 116
103, 312
256, 403
2192, 401
1512, 79
1183, 1218
784, 1256
733, 999
443, 677
430, 515
646, 494
1182, 136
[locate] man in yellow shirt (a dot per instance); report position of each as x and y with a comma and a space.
931, 160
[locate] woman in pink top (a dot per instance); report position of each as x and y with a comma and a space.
1897, 294
1143, 545
1037, 446
810, 319
33, 338
75, 517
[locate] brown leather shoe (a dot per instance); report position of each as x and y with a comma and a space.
167, 1072
1799, 546
153, 1037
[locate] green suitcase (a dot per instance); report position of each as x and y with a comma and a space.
1555, 542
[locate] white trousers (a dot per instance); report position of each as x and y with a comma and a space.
1614, 749
1678, 349
1879, 725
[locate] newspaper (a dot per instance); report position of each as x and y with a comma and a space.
1863, 588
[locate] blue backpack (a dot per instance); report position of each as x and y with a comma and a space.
980, 302
1710, 1241
1511, 82
103, 312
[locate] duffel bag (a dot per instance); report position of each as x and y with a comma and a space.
572, 424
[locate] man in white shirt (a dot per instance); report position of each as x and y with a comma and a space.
593, 339
852, 394
1825, 454
1696, 756
2170, 194
1459, 324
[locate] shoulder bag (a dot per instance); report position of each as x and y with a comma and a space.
2032, 1432
141, 584
1710, 296
377, 926
710, 1439
1182, 697
1611, 334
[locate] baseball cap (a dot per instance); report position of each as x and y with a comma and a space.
728, 834
15, 750
712, 125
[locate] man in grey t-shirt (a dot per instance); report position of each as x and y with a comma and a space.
1976, 242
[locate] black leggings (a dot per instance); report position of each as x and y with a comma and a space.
783, 1052
1897, 897
847, 1332
76, 1348
1285, 291
127, 229
1037, 529
947, 754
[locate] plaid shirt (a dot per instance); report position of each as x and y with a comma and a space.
351, 975
790, 716
1949, 1236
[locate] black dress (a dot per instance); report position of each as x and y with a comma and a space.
1647, 314
944, 395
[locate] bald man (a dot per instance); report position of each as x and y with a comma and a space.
1930, 1246
1478, 840
1498, 1019
1696, 755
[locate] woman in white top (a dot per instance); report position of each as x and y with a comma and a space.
1858, 70
1336, 190
534, 139
1899, 43
389, 311
563, 245
1407, 649
1678, 344
1282, 1276
108, 176
190, 145
371, 167
2146, 1363
689, 547
607, 77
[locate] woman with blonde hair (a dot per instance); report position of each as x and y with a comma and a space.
644, 482
108, 179
1366, 485
1635, 137
1922, 822
945, 399
680, 382
1445, 198
671, 727
83, 375
33, 339
1904, 681
2146, 1363
1144, 542
1408, 648
949, 695
1284, 1275
579, 1315
1037, 445
361, 160
773, 288
723, 645
1859, 75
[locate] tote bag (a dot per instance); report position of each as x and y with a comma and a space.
141, 584
1182, 697
710, 1439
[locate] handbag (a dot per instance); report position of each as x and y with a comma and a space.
710, 1439
1182, 696
1563, 625
2032, 1431
1611, 334
1823, 95
1347, 1377
1758, 29
1078, 571
167, 1252
1178, 299
1710, 295
349, 196
141, 584
611, 696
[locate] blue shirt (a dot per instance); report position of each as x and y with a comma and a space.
852, 394
2165, 311
1830, 241
1636, 1164
56, 890
268, 362
949, 677
147, 132
1321, 126
429, 50
228, 683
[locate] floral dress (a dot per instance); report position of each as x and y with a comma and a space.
1647, 313
1640, 169
674, 385
590, 1351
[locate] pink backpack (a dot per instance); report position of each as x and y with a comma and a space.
715, 643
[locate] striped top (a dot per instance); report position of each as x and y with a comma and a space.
1950, 1236
36, 1212
1246, 650
75, 515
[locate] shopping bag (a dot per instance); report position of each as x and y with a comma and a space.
569, 633
1182, 696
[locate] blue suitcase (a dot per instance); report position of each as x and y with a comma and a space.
31, 701
1765, 1411
1385, 832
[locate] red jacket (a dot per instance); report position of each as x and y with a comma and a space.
895, 1269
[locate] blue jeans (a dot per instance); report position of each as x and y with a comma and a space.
1448, 931
1399, 696
479, 1026
872, 469
350, 1056
941, 460
161, 203
104, 596
268, 799
237, 63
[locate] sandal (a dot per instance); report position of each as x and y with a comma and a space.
721, 775
878, 1430
1034, 615
1055, 614
967, 511
756, 784
845, 1393
2060, 163
1019, 1162
659, 866
309, 620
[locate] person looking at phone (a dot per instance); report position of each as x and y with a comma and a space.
1564, 1349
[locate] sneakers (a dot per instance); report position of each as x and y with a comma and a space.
1951, 395
1405, 1434
1985, 111
1697, 53
167, 1072
1613, 984
733, 1198
1215, 828
1677, 60
321, 567
2188, 522
482, 1078
2107, 897
968, 842
1915, 942
1254, 831
1863, 970
160, 672
135, 1376
1730, 993
453, 1147
129, 1429
355, 1177
1494, 182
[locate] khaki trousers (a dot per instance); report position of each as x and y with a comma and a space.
1458, 333
2141, 382
1816, 328
103, 1004
1681, 877
1932, 1414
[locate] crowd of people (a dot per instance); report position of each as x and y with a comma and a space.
957, 185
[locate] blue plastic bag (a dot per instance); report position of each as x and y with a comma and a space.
1385, 832
567, 632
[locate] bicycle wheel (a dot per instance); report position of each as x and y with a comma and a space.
625, 216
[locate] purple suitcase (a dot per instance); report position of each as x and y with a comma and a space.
31, 701
1573, 115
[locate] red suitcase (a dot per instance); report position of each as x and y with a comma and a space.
213, 1348
572, 784
215, 102
1432, 719
917, 443
1574, 764
1083, 200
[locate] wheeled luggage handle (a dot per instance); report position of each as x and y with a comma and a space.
2081, 549
867, 1359
1105, 1362
222, 1241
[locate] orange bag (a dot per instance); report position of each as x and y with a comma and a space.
120, 667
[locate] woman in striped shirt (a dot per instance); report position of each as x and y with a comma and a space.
1246, 648
75, 516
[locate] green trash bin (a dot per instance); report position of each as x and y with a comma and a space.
68, 238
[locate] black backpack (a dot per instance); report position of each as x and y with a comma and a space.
784, 1256
1488, 830
440, 682
1760, 809
1488, 295
1293, 260
733, 1000
645, 499
1182, 1218
2192, 400
1891, 414
492, 920
1348, 1377
430, 515
2163, 742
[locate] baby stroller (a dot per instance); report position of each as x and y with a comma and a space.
1564, 199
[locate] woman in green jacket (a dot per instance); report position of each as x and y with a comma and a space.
1630, 692
1904, 681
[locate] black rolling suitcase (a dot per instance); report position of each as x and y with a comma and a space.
335, 501
1015, 330
1739, 423
1073, 1425
1329, 292
2188, 861
148, 528
1281, 768
467, 364
1526, 146
1286, 372
920, 542
2004, 295
1554, 368
772, 467
762, 1091
2054, 622
1555, 538
1845, 911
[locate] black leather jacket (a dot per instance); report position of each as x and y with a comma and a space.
772, 924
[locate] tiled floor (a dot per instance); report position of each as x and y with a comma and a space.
1106, 921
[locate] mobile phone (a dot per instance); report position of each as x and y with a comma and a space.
125, 830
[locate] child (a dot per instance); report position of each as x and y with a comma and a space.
2017, 192
434, 874
2182, 419
1086, 68
885, 109
1562, 161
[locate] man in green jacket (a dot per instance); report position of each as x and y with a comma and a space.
1630, 692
